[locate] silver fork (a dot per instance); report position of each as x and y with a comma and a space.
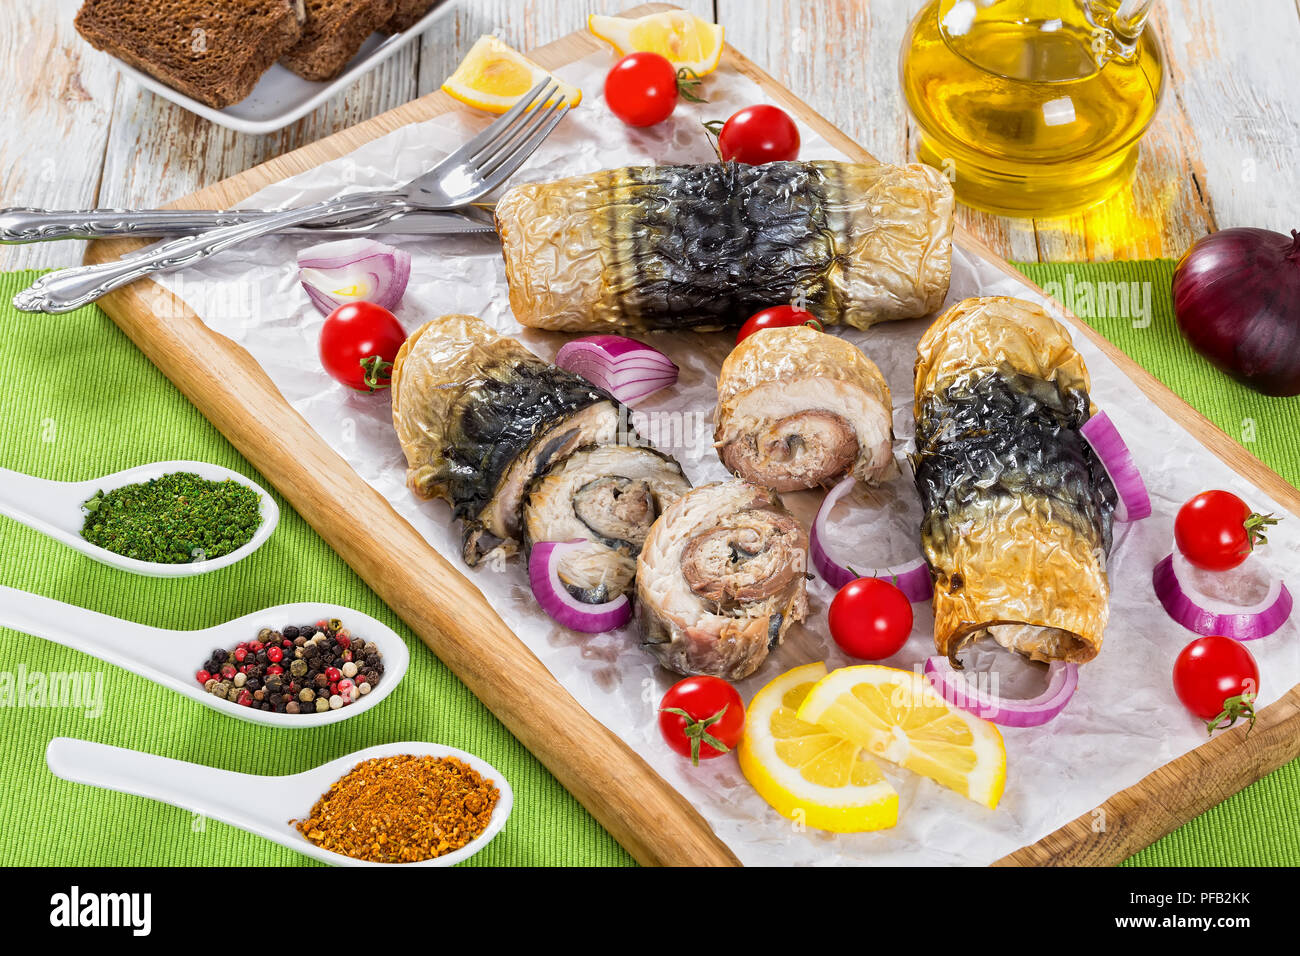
471, 172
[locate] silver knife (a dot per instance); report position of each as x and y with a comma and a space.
24, 225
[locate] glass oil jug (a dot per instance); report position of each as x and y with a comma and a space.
1032, 107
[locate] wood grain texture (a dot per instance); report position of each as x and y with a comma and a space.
623, 793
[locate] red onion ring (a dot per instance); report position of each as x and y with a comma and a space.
563, 607
912, 578
627, 369
1207, 616
1134, 502
957, 689
354, 270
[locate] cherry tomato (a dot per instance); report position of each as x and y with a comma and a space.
757, 135
870, 619
358, 344
777, 317
641, 89
702, 717
1217, 679
1216, 530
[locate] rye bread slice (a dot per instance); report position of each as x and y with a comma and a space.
333, 34
212, 50
407, 13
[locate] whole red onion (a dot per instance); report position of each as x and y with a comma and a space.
1237, 301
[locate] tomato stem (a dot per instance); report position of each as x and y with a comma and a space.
698, 730
687, 82
376, 369
1242, 705
1255, 525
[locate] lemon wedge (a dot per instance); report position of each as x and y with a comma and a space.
494, 77
806, 773
897, 715
685, 39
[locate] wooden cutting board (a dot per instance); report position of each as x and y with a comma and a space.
646, 815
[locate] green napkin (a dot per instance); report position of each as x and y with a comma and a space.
80, 401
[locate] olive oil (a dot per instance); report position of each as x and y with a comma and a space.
1032, 107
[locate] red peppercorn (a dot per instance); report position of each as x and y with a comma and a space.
241, 654
245, 699
227, 671
256, 646
203, 677
242, 645
275, 669
332, 674
343, 640
274, 655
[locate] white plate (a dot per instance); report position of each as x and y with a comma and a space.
282, 96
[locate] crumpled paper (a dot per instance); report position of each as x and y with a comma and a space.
1123, 722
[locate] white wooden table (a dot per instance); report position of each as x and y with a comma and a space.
74, 132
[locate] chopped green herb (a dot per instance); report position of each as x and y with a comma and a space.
174, 519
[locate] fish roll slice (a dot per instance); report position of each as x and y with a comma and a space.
720, 580
799, 408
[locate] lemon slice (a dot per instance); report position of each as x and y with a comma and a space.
685, 39
897, 715
806, 773
494, 77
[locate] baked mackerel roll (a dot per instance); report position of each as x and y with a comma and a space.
720, 579
1017, 509
798, 408
608, 496
479, 416
704, 247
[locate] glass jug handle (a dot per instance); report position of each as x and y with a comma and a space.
1117, 28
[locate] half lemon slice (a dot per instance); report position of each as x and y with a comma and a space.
897, 715
806, 773
685, 39
494, 77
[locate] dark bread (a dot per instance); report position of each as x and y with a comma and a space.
408, 12
333, 34
212, 50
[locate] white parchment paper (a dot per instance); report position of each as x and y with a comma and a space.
1124, 720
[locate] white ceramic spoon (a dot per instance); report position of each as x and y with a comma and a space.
54, 508
258, 804
172, 658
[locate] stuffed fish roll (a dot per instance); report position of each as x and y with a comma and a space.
798, 408
703, 247
720, 580
1017, 509
479, 416
609, 496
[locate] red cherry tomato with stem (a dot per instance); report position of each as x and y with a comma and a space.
702, 717
757, 135
1216, 530
642, 88
870, 619
777, 317
359, 343
1217, 679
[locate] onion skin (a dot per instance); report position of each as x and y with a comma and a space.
1237, 302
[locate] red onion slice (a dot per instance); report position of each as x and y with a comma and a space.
555, 599
354, 270
958, 690
1134, 502
912, 578
627, 369
1209, 616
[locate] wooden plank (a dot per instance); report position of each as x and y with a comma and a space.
56, 118
641, 811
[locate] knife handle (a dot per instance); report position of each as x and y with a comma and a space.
19, 225
68, 289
